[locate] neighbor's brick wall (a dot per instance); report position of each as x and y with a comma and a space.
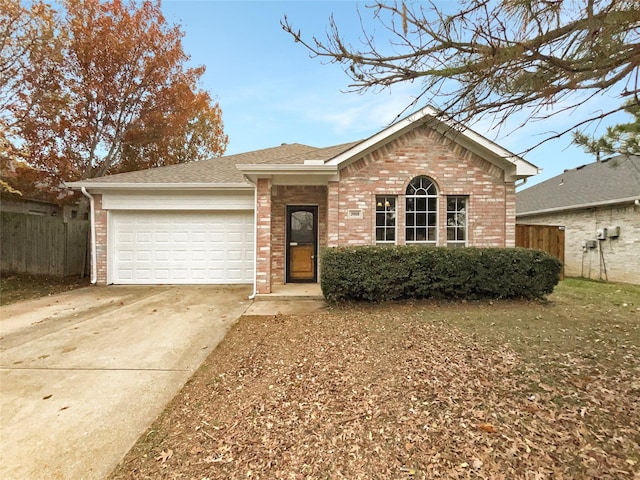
101, 240
456, 171
283, 195
621, 255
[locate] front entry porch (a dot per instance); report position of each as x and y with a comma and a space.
288, 299
291, 228
293, 291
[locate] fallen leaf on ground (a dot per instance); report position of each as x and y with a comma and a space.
164, 456
487, 427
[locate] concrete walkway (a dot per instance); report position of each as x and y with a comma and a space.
290, 299
83, 374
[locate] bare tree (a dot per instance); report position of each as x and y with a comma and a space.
496, 58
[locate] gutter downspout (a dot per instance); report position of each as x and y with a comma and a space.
94, 272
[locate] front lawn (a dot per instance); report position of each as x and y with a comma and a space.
496, 390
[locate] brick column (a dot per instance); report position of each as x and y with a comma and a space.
263, 236
333, 214
101, 240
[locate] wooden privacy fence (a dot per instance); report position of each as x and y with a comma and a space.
548, 238
43, 245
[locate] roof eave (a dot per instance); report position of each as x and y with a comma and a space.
515, 167
582, 206
104, 186
295, 168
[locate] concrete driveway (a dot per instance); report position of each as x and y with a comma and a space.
83, 374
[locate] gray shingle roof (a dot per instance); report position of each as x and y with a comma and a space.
223, 170
599, 182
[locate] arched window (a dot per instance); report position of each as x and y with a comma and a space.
421, 211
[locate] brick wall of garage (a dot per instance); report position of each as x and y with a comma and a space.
455, 170
101, 239
620, 256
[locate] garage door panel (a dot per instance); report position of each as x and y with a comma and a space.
181, 247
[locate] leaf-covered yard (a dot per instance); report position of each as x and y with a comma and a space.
15, 287
494, 390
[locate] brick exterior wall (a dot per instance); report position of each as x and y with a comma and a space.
101, 239
387, 171
456, 171
263, 236
621, 255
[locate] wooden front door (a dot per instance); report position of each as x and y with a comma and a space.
302, 244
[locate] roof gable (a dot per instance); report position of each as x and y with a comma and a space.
609, 181
514, 166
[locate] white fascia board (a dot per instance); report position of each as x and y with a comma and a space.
107, 186
582, 206
488, 149
279, 169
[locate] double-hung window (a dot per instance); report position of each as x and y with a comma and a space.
456, 221
421, 213
385, 219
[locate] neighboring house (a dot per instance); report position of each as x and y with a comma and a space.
598, 205
419, 181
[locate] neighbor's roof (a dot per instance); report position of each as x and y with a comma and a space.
610, 181
220, 170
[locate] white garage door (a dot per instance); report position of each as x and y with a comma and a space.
181, 247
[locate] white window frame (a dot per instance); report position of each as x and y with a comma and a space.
426, 190
457, 220
386, 209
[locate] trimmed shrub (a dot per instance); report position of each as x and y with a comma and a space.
383, 273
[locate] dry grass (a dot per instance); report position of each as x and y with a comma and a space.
493, 390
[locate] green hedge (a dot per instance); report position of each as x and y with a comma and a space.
378, 273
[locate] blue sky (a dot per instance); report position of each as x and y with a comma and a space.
272, 92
